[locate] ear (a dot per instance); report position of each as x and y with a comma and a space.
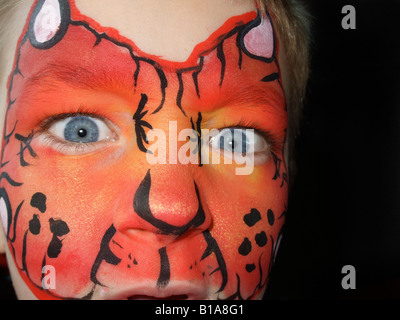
258, 38
49, 23
5, 215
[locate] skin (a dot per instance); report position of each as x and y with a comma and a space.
113, 226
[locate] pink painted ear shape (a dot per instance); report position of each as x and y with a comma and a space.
259, 41
48, 21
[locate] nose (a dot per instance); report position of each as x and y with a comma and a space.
167, 202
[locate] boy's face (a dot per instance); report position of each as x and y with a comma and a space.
79, 198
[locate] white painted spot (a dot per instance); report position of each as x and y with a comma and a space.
48, 21
3, 214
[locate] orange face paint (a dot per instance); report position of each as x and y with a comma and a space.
110, 224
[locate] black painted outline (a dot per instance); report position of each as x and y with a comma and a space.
6, 176
4, 195
25, 144
165, 272
141, 206
241, 32
261, 284
104, 254
271, 77
213, 247
199, 137
141, 137
254, 24
138, 60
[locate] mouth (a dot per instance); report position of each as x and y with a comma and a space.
177, 291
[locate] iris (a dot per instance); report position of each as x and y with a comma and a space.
81, 130
233, 140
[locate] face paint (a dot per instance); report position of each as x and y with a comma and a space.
93, 208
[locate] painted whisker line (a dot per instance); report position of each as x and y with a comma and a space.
6, 140
199, 138
213, 247
180, 93
104, 254
165, 273
237, 294
195, 76
6, 176
221, 57
15, 222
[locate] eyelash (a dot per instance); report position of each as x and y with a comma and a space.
67, 147
82, 111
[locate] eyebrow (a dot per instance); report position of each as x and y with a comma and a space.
77, 77
253, 95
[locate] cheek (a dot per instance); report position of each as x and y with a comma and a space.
248, 214
80, 195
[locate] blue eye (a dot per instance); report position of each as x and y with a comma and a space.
237, 140
81, 130
240, 141
79, 134
233, 140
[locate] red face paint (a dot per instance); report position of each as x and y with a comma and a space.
110, 224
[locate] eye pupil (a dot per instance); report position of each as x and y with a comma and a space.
82, 133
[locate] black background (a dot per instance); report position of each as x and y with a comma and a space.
344, 209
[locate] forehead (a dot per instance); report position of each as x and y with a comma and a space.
106, 62
169, 29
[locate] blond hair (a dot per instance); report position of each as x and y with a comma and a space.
292, 23
8, 11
